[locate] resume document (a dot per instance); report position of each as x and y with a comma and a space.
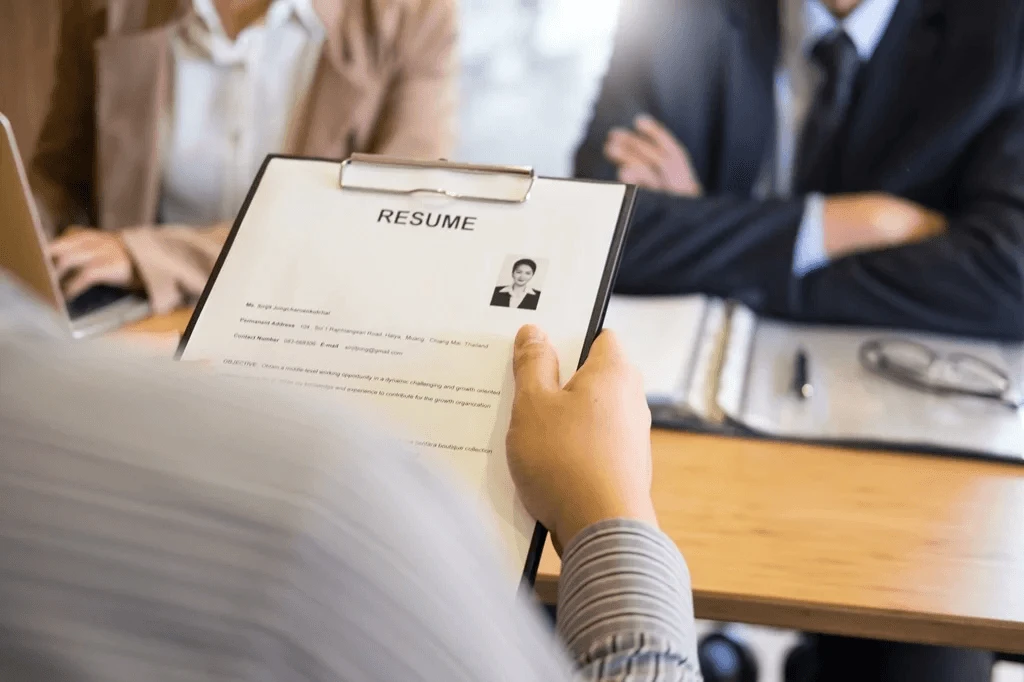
405, 307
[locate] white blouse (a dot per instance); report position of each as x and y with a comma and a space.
233, 103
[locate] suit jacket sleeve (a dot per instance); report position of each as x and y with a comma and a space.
722, 245
420, 109
970, 281
174, 261
61, 172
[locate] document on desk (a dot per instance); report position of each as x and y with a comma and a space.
715, 366
405, 304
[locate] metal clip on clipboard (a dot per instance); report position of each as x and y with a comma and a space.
470, 177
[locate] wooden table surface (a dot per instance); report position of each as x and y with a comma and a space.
170, 324
901, 547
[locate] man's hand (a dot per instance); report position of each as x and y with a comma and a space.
581, 454
86, 257
869, 222
651, 157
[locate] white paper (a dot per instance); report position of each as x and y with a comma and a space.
854, 405
661, 336
397, 319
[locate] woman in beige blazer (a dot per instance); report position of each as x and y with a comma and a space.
163, 110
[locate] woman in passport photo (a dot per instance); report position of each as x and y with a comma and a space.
519, 293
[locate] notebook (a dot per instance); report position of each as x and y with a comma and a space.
713, 365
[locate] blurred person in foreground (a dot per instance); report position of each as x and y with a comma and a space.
841, 161
164, 110
160, 524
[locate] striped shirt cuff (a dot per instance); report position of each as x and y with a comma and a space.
625, 603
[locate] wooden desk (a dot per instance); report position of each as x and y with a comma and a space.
899, 547
172, 323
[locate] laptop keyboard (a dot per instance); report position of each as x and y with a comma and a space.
93, 299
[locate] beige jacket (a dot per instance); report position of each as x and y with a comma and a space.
386, 83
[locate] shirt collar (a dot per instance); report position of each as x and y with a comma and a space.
302, 10
508, 290
210, 17
279, 12
865, 25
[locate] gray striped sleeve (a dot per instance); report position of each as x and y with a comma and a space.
625, 609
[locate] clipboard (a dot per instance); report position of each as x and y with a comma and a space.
523, 173
522, 179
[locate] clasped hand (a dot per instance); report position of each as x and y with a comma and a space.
652, 158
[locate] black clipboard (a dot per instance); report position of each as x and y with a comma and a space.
528, 176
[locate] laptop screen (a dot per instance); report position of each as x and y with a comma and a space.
23, 251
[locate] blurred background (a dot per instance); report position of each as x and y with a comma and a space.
531, 71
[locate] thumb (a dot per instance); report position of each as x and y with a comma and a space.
607, 358
534, 362
607, 348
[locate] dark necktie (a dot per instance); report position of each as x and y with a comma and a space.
819, 153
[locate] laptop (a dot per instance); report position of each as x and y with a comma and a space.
24, 253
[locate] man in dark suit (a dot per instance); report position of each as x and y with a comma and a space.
843, 161
840, 161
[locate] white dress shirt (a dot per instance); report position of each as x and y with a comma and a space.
804, 24
233, 103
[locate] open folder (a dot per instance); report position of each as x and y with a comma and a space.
713, 365
398, 287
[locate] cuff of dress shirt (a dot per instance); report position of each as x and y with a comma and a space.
809, 252
624, 584
151, 263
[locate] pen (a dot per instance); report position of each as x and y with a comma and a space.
801, 377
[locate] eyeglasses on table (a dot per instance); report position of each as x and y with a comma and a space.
920, 367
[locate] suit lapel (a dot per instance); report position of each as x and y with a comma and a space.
133, 85
330, 121
325, 123
892, 88
748, 117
